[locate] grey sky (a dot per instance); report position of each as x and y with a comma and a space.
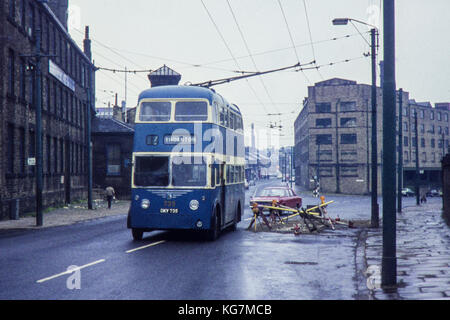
143, 34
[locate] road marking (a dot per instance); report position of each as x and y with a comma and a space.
71, 271
143, 247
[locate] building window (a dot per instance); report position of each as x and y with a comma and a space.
323, 139
21, 150
405, 126
405, 111
31, 149
10, 149
421, 114
422, 142
22, 80
323, 107
424, 156
431, 129
113, 159
406, 156
446, 117
347, 106
431, 115
432, 143
55, 155
405, 141
23, 13
323, 123
12, 9
348, 138
422, 128
446, 131
31, 91
414, 141
49, 155
439, 130
348, 122
433, 157
11, 73
30, 29
439, 116
349, 171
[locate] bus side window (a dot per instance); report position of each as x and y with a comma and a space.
227, 118
214, 113
222, 116
213, 175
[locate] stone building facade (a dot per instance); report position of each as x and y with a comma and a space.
333, 138
66, 71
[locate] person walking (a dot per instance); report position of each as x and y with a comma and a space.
110, 194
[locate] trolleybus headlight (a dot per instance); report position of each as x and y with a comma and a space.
145, 203
193, 205
199, 224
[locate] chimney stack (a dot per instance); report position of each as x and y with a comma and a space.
87, 43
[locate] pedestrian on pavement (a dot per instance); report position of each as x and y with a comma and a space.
110, 195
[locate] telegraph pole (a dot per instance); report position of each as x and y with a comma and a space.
389, 259
400, 151
38, 100
374, 203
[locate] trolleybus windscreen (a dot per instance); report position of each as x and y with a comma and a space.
191, 111
155, 111
151, 171
192, 174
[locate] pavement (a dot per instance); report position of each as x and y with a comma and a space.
423, 246
67, 215
423, 255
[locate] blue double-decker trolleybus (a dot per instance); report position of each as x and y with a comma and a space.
188, 162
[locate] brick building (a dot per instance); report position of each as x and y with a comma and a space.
112, 155
333, 138
65, 85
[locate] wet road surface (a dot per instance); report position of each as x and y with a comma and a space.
173, 265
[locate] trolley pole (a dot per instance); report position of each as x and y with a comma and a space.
389, 260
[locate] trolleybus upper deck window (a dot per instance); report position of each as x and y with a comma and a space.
155, 111
191, 111
151, 171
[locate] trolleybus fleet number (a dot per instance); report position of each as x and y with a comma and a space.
166, 210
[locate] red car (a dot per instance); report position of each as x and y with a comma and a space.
283, 195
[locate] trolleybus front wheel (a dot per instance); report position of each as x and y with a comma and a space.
213, 233
137, 234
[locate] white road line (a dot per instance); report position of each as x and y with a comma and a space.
143, 247
71, 271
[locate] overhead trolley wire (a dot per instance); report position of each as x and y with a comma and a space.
249, 52
310, 37
290, 37
230, 52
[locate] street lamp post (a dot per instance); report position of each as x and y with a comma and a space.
374, 176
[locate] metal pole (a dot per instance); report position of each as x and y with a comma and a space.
417, 161
389, 260
338, 183
400, 151
89, 143
375, 210
38, 95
